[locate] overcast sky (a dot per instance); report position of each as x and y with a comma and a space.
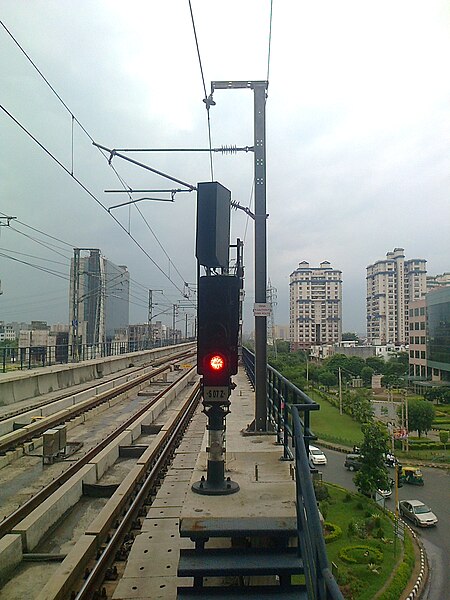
358, 131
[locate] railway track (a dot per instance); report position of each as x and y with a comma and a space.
104, 538
70, 405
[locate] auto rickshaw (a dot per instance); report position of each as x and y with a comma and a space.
411, 475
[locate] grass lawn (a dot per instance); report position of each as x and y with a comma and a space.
364, 524
330, 426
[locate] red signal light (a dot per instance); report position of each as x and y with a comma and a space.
217, 363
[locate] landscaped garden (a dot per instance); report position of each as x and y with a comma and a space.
367, 561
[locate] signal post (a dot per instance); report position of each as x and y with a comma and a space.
218, 329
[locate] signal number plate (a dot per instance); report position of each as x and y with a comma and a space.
216, 394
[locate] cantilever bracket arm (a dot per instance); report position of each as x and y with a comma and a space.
236, 205
113, 153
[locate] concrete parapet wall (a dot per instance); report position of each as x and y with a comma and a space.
24, 385
36, 524
10, 554
70, 571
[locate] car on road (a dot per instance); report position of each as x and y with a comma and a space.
316, 456
353, 462
417, 512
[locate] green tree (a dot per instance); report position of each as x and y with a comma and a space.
433, 394
283, 346
350, 336
392, 380
355, 365
420, 416
377, 364
398, 364
361, 408
327, 379
438, 395
366, 374
373, 474
334, 362
443, 436
314, 372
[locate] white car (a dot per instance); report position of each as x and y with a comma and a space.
417, 512
316, 456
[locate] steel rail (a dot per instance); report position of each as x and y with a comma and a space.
25, 509
66, 394
105, 560
16, 438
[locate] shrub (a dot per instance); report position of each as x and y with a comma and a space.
324, 507
321, 491
402, 575
335, 532
361, 554
351, 529
347, 498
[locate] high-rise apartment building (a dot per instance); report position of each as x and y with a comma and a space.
437, 281
315, 306
391, 284
98, 298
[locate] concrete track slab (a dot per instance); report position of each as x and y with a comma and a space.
172, 488
168, 501
168, 526
168, 512
184, 461
178, 475
150, 588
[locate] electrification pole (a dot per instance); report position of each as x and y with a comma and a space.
150, 315
261, 308
75, 302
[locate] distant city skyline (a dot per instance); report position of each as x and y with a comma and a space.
357, 152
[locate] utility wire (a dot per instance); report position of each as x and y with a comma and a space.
133, 281
41, 243
91, 194
56, 262
206, 100
38, 267
270, 39
74, 119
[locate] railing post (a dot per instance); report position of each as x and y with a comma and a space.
286, 421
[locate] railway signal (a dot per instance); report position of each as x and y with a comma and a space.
218, 329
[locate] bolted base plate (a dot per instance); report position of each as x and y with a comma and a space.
223, 488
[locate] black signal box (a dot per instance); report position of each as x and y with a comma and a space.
218, 322
213, 225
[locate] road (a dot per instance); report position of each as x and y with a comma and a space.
435, 493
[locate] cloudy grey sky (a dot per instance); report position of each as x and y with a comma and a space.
358, 130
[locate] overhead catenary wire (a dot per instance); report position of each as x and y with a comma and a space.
71, 171
207, 100
57, 262
48, 246
40, 242
91, 194
40, 268
270, 40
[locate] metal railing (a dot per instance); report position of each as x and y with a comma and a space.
289, 412
32, 357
